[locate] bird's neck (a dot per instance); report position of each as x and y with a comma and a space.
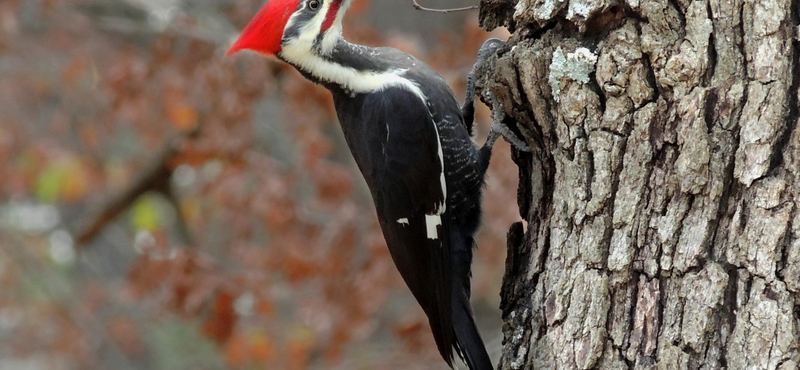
348, 67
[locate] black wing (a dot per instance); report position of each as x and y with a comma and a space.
396, 145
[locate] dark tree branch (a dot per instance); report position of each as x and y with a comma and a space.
452, 10
155, 177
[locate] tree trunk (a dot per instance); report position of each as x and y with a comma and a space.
662, 195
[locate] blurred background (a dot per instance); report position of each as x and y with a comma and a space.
165, 207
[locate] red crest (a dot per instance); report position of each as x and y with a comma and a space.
264, 32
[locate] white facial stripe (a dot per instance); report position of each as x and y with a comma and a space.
301, 55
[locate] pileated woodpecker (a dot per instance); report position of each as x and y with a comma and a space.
411, 141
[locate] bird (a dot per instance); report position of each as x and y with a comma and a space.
412, 142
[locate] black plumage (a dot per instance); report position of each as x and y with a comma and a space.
391, 135
412, 142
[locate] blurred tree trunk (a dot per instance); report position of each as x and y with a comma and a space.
662, 197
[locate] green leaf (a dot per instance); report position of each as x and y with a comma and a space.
146, 214
49, 183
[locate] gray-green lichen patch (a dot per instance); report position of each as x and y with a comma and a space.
580, 11
541, 11
575, 66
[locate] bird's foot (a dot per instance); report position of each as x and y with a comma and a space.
499, 129
488, 48
510, 137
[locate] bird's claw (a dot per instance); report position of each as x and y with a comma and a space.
488, 48
499, 129
510, 137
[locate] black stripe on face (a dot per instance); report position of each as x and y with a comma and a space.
302, 17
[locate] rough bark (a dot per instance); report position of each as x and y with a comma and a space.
662, 196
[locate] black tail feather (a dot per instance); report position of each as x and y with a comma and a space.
469, 341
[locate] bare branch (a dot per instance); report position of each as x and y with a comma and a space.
154, 177
452, 10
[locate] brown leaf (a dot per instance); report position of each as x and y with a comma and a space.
220, 322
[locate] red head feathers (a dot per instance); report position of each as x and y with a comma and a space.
264, 32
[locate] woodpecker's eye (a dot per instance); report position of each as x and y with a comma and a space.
313, 5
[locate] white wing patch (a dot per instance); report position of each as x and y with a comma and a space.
442, 206
431, 221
